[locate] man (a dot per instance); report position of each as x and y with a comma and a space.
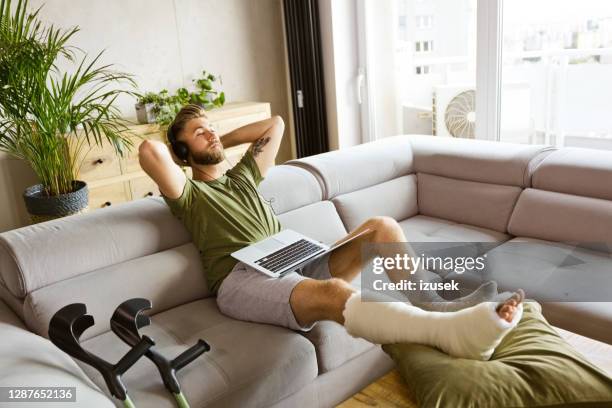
224, 212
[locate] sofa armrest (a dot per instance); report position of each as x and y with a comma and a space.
28, 360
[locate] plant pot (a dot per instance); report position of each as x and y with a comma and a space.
43, 207
145, 113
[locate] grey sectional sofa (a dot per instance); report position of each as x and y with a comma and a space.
439, 189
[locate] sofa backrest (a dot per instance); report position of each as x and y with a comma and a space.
354, 168
571, 200
134, 249
473, 182
367, 180
297, 198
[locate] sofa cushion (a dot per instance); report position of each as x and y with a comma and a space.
249, 365
38, 255
479, 204
28, 360
357, 167
168, 278
422, 228
334, 346
563, 217
532, 367
395, 198
433, 236
584, 172
574, 282
585, 318
14, 303
289, 187
319, 221
477, 160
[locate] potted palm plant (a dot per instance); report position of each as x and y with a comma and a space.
48, 116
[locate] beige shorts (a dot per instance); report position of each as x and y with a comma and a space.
248, 295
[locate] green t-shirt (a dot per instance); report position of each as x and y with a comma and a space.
225, 215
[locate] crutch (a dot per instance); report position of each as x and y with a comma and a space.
65, 330
125, 323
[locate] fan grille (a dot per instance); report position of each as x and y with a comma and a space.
460, 115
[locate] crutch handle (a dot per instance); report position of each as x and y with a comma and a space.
134, 355
190, 354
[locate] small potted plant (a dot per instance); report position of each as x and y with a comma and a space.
145, 107
169, 106
161, 108
47, 117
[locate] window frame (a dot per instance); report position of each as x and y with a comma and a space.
489, 20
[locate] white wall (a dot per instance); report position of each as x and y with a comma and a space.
165, 44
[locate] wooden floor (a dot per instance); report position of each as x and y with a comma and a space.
388, 392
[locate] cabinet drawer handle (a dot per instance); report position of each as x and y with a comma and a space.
99, 161
106, 204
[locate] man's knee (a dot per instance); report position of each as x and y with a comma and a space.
384, 228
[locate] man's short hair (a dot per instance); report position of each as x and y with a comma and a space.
187, 112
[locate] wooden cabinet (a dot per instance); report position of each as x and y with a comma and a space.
112, 179
107, 195
98, 163
142, 187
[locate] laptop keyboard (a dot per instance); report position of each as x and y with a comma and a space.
279, 260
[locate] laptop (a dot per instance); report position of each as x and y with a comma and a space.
286, 251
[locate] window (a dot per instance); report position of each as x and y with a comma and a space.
424, 22
422, 69
434, 65
557, 73
423, 46
402, 32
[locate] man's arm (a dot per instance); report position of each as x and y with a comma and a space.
265, 136
157, 161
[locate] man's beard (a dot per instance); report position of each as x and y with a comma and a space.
206, 158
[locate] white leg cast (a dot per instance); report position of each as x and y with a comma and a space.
471, 333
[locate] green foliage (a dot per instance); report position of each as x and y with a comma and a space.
166, 106
42, 109
149, 97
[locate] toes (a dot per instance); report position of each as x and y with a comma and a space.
514, 300
505, 316
517, 297
521, 295
506, 312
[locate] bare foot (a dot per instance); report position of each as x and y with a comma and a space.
507, 309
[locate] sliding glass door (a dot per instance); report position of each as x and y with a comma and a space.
420, 62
